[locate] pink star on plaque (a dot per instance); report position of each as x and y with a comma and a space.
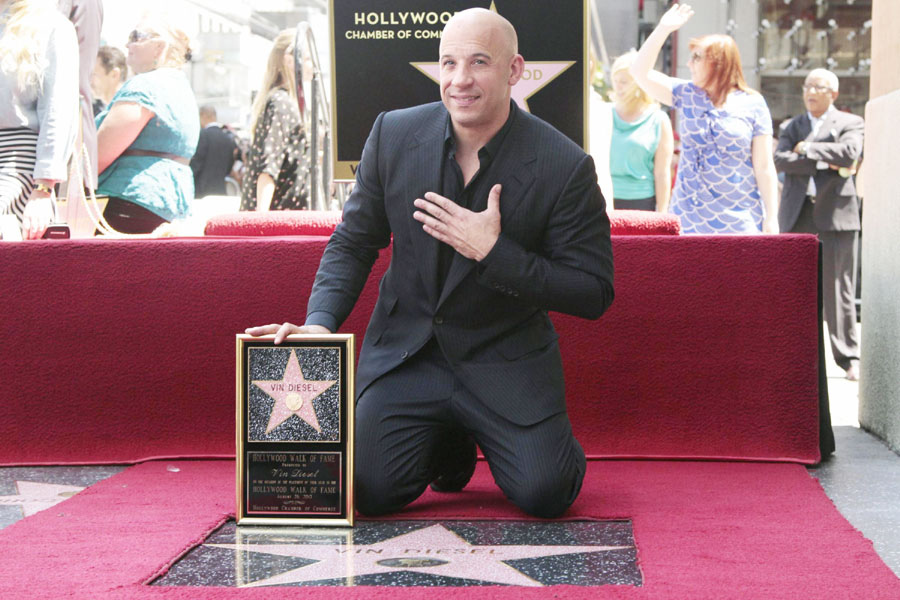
293, 395
535, 77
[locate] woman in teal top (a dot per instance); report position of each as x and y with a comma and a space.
641, 146
148, 134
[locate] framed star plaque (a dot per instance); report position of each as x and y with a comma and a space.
385, 56
295, 430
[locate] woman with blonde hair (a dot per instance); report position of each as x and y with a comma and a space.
148, 133
640, 158
277, 164
39, 112
726, 180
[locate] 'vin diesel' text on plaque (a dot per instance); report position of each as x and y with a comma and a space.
295, 430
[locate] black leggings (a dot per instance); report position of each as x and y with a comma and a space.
640, 204
128, 217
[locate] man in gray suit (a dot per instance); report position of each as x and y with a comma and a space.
819, 152
496, 218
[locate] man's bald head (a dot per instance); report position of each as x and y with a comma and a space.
479, 65
482, 17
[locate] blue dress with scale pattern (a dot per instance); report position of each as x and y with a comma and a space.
715, 189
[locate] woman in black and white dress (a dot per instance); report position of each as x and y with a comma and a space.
277, 163
38, 116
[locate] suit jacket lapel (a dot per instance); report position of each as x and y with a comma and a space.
827, 126
804, 128
425, 154
512, 171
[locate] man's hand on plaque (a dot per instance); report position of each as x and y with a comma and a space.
284, 330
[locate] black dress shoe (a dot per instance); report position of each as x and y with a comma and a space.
454, 461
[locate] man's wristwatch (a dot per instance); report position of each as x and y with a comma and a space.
43, 187
801, 148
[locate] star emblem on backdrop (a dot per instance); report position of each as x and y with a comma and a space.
293, 395
540, 73
432, 550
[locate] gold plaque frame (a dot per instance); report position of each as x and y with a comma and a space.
295, 430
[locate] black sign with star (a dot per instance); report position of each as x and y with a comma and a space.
385, 57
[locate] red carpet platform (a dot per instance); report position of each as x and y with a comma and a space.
703, 531
308, 222
118, 351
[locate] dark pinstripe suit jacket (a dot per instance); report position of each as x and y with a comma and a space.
490, 318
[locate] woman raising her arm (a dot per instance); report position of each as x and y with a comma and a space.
726, 180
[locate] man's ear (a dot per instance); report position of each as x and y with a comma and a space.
516, 69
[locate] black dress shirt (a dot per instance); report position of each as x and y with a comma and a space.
454, 187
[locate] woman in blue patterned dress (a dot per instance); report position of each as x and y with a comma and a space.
726, 180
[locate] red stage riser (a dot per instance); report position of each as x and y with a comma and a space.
323, 222
122, 350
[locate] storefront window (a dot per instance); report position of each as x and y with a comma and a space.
796, 36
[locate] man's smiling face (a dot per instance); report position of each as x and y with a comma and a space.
478, 68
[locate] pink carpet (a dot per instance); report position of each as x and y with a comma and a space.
323, 222
702, 530
118, 351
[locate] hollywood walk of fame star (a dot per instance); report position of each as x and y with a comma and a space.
293, 395
34, 497
538, 74
433, 550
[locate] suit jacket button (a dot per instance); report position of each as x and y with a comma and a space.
438, 320
404, 356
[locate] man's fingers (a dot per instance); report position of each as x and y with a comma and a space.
437, 235
262, 330
425, 218
284, 331
493, 202
442, 203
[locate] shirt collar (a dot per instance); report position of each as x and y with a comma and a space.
814, 120
493, 146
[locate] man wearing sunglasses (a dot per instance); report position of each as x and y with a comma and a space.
819, 152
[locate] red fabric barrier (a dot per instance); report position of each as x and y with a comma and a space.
275, 223
123, 350
307, 222
643, 222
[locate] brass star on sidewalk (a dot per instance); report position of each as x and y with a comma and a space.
293, 395
35, 496
433, 550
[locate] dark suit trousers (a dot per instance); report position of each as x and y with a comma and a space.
401, 417
839, 256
